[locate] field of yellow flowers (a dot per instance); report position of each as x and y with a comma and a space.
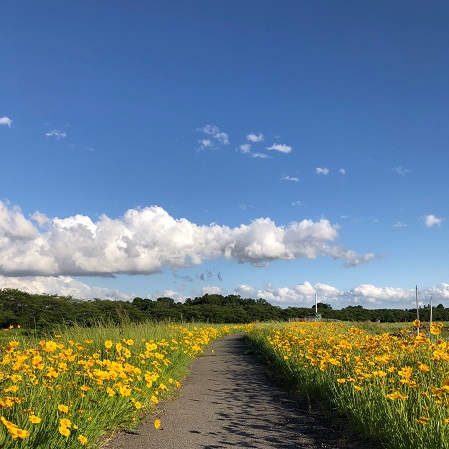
394, 388
68, 390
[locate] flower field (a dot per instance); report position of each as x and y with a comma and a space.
67, 391
394, 388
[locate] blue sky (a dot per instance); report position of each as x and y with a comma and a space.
267, 149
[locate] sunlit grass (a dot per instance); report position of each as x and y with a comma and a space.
70, 388
395, 388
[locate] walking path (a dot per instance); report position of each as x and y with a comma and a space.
228, 402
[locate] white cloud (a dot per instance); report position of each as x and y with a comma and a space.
215, 132
6, 121
211, 290
280, 147
366, 295
260, 155
296, 203
245, 147
177, 297
40, 218
401, 170
57, 134
255, 137
321, 171
62, 286
431, 220
399, 224
205, 144
290, 178
342, 171
300, 295
146, 240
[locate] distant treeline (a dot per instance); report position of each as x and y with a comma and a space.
32, 311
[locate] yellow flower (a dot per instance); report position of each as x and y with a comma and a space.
125, 390
417, 323
35, 419
63, 408
18, 433
108, 344
50, 346
110, 391
137, 404
423, 420
64, 431
396, 395
82, 439
65, 422
435, 329
157, 423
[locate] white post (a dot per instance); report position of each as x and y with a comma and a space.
316, 303
431, 313
417, 308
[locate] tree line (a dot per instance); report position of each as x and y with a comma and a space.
43, 311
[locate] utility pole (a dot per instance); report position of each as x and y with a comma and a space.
431, 312
417, 307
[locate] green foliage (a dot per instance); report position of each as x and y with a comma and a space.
42, 313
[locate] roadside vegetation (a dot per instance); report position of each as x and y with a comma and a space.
76, 385
72, 371
394, 388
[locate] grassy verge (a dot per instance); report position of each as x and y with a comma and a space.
68, 389
395, 389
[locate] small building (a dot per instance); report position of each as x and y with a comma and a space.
313, 317
310, 317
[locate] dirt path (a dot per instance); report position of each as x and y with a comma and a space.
228, 402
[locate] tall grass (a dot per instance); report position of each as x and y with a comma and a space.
395, 389
68, 389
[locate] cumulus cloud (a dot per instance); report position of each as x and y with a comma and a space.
6, 121
300, 295
431, 220
260, 155
254, 137
62, 286
367, 295
342, 171
57, 134
321, 171
245, 147
290, 178
401, 170
282, 148
205, 144
215, 132
177, 297
211, 290
146, 240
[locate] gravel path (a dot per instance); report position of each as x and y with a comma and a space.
227, 401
